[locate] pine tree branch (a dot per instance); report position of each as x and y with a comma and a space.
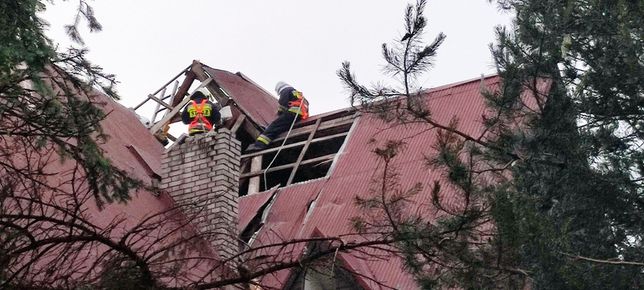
600, 261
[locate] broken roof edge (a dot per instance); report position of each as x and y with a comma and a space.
350, 108
346, 264
249, 98
459, 83
354, 108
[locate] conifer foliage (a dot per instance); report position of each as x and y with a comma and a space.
552, 190
51, 163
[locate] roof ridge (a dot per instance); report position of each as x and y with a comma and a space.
458, 84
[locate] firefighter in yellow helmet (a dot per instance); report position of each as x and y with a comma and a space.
201, 115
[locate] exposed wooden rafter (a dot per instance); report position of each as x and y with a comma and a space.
175, 110
322, 129
161, 88
292, 165
306, 147
223, 99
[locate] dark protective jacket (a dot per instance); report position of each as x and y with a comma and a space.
290, 100
292, 104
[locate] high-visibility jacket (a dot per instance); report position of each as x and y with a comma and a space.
299, 105
199, 114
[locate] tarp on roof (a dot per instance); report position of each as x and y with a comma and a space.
258, 105
294, 216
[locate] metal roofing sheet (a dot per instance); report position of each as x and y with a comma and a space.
259, 105
124, 129
355, 169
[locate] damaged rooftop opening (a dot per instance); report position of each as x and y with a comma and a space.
307, 154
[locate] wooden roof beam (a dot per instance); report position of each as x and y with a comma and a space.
290, 165
319, 139
306, 147
323, 126
224, 100
175, 111
213, 87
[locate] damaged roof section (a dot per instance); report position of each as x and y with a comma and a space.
255, 102
307, 154
326, 162
325, 207
252, 107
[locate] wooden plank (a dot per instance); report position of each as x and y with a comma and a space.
158, 125
323, 126
213, 87
244, 165
286, 166
160, 102
249, 125
168, 97
254, 182
162, 87
238, 123
306, 146
319, 139
183, 89
171, 95
156, 109
333, 115
250, 128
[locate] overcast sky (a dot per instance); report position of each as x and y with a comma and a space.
147, 42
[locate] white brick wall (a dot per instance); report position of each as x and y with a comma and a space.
202, 176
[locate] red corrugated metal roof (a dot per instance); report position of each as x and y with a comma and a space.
130, 147
323, 205
260, 106
356, 167
124, 129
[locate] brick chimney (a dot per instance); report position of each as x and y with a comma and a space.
202, 177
